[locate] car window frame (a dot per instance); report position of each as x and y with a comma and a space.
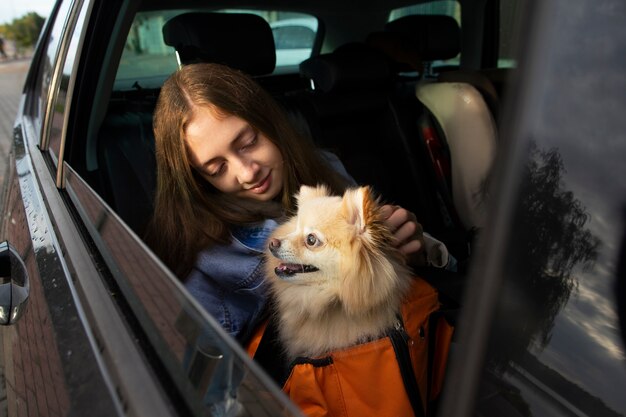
91, 331
61, 50
74, 26
73, 185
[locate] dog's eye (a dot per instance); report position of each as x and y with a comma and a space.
311, 240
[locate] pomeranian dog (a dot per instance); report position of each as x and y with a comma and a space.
335, 277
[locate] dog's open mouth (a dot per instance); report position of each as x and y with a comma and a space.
288, 270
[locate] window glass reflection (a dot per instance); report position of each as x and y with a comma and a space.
554, 344
48, 59
211, 372
62, 101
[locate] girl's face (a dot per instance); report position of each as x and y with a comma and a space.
232, 156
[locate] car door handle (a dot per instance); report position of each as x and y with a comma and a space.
14, 285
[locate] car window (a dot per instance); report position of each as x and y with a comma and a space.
203, 367
510, 11
444, 7
294, 38
61, 102
47, 66
146, 60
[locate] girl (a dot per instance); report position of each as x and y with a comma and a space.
228, 166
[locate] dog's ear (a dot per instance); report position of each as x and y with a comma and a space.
359, 206
369, 278
307, 192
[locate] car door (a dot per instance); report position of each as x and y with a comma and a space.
105, 329
543, 326
50, 356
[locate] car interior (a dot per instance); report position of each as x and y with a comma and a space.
406, 94
472, 114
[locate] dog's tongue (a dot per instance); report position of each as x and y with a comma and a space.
292, 269
288, 269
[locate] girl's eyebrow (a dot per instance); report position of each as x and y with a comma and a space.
241, 134
238, 137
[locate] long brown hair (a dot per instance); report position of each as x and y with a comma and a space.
189, 213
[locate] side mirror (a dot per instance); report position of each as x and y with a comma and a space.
14, 285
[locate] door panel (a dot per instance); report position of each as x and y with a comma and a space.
48, 354
541, 333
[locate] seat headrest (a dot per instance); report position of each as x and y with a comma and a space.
399, 48
433, 36
480, 82
471, 134
238, 40
351, 66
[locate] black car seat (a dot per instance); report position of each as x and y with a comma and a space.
239, 40
243, 41
354, 112
432, 37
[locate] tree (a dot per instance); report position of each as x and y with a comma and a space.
24, 30
552, 243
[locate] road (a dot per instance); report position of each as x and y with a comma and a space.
12, 75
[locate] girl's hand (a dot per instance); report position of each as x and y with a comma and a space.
407, 232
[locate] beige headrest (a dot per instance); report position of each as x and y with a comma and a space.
470, 131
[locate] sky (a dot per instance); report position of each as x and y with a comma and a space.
12, 9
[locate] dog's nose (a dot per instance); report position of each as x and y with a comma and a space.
274, 243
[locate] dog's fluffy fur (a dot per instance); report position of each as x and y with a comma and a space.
336, 279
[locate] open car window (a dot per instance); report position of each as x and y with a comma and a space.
206, 370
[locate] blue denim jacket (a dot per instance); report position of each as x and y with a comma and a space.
228, 280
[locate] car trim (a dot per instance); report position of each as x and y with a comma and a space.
84, 10
53, 89
48, 260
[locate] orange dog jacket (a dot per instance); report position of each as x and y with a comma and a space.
398, 374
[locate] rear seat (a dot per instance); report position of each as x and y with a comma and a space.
432, 37
126, 160
354, 112
491, 83
238, 40
458, 128
460, 133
